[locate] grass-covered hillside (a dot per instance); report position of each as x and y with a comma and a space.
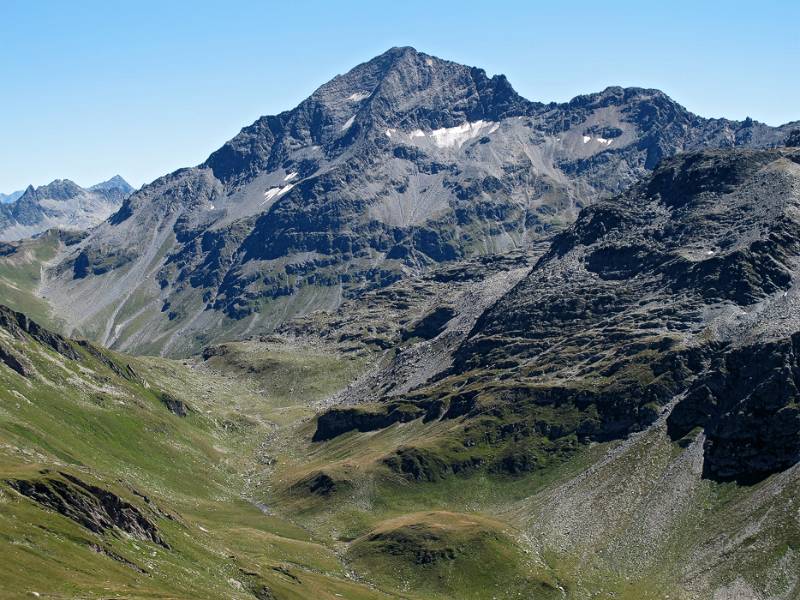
130, 479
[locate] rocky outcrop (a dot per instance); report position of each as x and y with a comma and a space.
174, 405
431, 325
19, 325
748, 404
97, 509
320, 484
15, 361
341, 420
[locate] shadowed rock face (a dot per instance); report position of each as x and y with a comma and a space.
747, 403
681, 289
404, 162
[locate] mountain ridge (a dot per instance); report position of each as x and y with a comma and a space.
404, 162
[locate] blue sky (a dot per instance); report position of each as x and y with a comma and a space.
90, 89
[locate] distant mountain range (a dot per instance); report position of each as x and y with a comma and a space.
61, 203
404, 162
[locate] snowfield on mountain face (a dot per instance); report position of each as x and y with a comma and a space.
455, 137
275, 192
358, 96
604, 141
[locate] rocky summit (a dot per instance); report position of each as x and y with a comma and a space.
417, 338
404, 162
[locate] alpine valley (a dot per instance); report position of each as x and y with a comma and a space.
419, 338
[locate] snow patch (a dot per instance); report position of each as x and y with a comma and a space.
349, 123
449, 137
604, 141
290, 176
276, 192
389, 132
455, 137
358, 96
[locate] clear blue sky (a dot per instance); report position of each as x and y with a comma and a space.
140, 88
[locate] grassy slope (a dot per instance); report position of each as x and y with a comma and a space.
625, 520
83, 419
20, 274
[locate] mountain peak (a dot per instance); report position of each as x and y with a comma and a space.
401, 89
58, 189
400, 52
116, 182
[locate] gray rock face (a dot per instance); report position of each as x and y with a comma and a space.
682, 290
62, 204
404, 162
707, 244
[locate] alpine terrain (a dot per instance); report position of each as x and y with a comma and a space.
405, 162
417, 338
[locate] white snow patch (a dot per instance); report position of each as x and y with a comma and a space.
604, 141
276, 192
271, 193
358, 96
211, 206
290, 176
389, 132
349, 123
449, 137
709, 252
455, 137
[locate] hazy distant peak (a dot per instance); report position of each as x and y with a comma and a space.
116, 182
